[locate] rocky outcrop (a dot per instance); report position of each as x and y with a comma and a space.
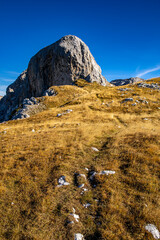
61, 63
28, 108
149, 85
121, 82
15, 94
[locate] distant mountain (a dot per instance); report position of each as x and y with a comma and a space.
121, 82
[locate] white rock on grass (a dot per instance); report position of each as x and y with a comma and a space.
78, 236
62, 181
81, 186
153, 230
104, 172
86, 205
107, 172
82, 175
76, 216
127, 100
84, 190
59, 115
92, 176
69, 110
94, 149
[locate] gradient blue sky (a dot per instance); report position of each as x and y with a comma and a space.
123, 35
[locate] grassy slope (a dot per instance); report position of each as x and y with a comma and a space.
33, 208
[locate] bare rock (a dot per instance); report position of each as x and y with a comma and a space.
147, 85
121, 82
62, 181
80, 180
78, 236
127, 100
61, 63
50, 92
153, 230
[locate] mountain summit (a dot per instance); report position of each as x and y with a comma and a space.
121, 82
61, 63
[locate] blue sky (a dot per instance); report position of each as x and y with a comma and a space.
123, 35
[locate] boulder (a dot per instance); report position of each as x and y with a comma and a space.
61, 63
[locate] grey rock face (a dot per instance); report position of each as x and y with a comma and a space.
15, 94
121, 82
61, 63
28, 107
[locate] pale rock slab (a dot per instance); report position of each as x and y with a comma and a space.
78, 236
153, 230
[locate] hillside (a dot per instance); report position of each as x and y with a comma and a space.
85, 129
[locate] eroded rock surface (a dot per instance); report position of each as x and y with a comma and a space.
61, 63
121, 82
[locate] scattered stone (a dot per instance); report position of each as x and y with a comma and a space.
86, 169
84, 190
151, 85
80, 180
127, 100
107, 172
86, 205
80, 186
62, 181
144, 101
59, 114
153, 230
94, 149
92, 175
76, 216
125, 89
134, 104
50, 92
78, 236
71, 222
33, 130
69, 110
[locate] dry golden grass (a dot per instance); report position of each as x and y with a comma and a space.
36, 151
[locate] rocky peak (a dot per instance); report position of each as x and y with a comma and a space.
61, 63
121, 82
